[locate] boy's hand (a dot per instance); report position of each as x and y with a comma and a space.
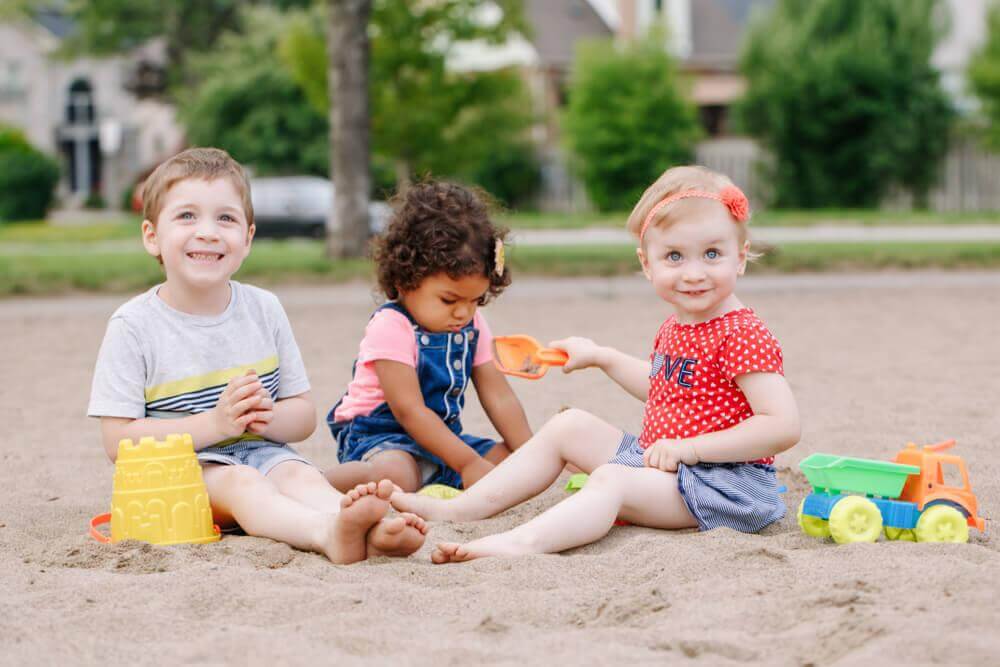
667, 454
475, 471
263, 413
583, 352
236, 407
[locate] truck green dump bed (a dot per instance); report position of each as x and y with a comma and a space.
828, 473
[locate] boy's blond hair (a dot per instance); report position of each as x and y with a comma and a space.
204, 163
672, 181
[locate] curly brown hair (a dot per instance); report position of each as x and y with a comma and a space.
439, 227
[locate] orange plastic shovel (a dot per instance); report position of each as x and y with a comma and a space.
524, 357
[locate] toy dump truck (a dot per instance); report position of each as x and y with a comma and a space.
854, 499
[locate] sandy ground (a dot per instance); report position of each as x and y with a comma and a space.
875, 361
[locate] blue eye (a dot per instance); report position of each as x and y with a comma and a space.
186, 215
225, 217
674, 256
712, 253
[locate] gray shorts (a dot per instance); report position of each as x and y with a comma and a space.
263, 455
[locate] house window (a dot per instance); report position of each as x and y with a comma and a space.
11, 81
80, 104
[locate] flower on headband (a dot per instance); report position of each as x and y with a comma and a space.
498, 257
736, 202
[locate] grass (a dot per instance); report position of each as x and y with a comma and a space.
774, 218
46, 268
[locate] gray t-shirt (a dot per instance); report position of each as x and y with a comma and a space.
156, 361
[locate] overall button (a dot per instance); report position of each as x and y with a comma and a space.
425, 339
457, 365
455, 392
459, 338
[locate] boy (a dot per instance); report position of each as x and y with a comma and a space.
206, 355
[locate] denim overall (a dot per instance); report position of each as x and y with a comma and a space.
444, 367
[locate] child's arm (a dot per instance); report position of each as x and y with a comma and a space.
773, 428
501, 405
402, 392
630, 373
291, 419
235, 410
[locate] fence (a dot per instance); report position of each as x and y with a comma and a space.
969, 179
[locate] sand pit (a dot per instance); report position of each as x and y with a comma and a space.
875, 361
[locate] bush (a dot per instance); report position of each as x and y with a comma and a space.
27, 178
843, 94
512, 174
628, 120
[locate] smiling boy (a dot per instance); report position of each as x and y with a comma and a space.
203, 354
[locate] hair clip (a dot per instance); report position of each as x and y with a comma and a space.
498, 257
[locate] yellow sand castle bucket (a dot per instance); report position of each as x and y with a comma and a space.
159, 495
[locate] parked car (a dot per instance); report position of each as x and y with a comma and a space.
299, 206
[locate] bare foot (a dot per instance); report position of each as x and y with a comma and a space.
397, 536
432, 509
451, 552
511, 543
361, 508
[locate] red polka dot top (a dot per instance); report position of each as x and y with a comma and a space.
691, 383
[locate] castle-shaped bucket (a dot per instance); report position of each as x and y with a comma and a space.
159, 495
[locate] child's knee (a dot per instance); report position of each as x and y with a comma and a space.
607, 475
399, 467
569, 421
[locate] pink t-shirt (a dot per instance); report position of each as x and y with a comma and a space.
389, 335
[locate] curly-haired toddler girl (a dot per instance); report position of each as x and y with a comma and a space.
440, 259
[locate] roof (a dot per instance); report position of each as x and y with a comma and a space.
558, 24
55, 21
717, 30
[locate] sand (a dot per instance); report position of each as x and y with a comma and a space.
875, 361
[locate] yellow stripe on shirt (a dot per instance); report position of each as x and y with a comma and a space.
213, 379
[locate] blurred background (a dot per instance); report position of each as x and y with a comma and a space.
862, 130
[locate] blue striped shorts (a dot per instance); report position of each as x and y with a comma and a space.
741, 496
263, 455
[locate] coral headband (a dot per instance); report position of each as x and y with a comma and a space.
731, 196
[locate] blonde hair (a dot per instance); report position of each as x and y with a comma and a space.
672, 181
204, 163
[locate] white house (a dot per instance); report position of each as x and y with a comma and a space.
101, 117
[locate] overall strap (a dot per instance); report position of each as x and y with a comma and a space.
393, 305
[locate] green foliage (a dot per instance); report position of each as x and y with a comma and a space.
27, 178
628, 119
105, 27
427, 119
843, 94
984, 75
249, 104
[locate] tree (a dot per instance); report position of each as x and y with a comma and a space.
628, 119
248, 104
348, 84
425, 117
984, 75
843, 94
104, 27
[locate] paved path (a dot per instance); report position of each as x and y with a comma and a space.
778, 235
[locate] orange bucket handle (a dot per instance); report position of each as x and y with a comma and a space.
102, 519
98, 520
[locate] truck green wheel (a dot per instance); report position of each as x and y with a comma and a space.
813, 526
942, 523
855, 519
